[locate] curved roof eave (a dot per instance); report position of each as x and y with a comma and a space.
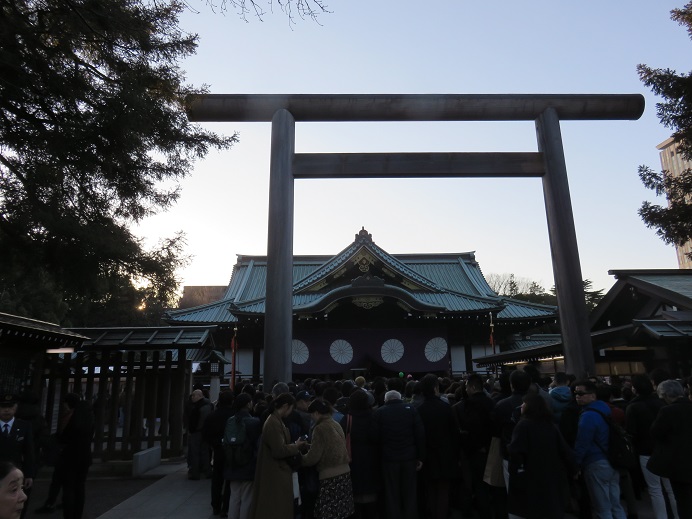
437, 302
385, 291
363, 240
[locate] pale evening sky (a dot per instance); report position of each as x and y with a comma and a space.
446, 47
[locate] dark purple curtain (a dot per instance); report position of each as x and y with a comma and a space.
334, 351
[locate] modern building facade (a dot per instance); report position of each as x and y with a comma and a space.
673, 162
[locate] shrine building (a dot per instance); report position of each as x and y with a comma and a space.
365, 311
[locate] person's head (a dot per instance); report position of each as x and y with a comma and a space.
560, 379
347, 387
331, 395
520, 381
360, 381
283, 404
8, 407
226, 399
534, 407
474, 384
303, 399
658, 375
320, 408
392, 395
396, 384
12, 496
429, 385
670, 390
585, 392
603, 392
249, 389
533, 372
358, 401
408, 389
280, 388
242, 401
641, 383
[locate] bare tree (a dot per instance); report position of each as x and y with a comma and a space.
304, 9
510, 285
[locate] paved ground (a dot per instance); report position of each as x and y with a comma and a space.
163, 493
105, 490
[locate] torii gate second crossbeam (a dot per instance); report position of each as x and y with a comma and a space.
549, 163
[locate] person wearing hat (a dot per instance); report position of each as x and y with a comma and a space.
17, 441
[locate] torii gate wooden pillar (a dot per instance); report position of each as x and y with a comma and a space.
549, 163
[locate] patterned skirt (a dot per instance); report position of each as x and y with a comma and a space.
335, 498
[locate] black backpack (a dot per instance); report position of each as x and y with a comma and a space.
236, 443
621, 453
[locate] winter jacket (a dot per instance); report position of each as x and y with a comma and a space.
592, 434
327, 450
399, 431
441, 439
639, 416
560, 399
672, 430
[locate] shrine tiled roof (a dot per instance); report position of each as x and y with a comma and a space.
450, 283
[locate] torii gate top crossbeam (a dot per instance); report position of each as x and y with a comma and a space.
414, 107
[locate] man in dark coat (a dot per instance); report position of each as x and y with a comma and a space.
508, 411
475, 425
639, 415
75, 457
212, 433
17, 442
197, 448
241, 478
399, 430
672, 454
441, 448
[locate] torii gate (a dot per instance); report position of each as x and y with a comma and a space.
548, 163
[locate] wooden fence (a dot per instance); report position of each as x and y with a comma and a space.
138, 397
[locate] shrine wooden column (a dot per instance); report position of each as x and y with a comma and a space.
574, 324
278, 321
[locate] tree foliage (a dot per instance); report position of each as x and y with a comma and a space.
524, 289
93, 137
673, 223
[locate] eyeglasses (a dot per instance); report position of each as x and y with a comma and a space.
582, 393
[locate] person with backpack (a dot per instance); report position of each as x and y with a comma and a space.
591, 448
240, 446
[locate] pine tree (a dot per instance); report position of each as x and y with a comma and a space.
674, 222
92, 130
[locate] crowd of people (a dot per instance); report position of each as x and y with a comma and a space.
518, 445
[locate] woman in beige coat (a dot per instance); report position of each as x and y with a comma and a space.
272, 492
328, 452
